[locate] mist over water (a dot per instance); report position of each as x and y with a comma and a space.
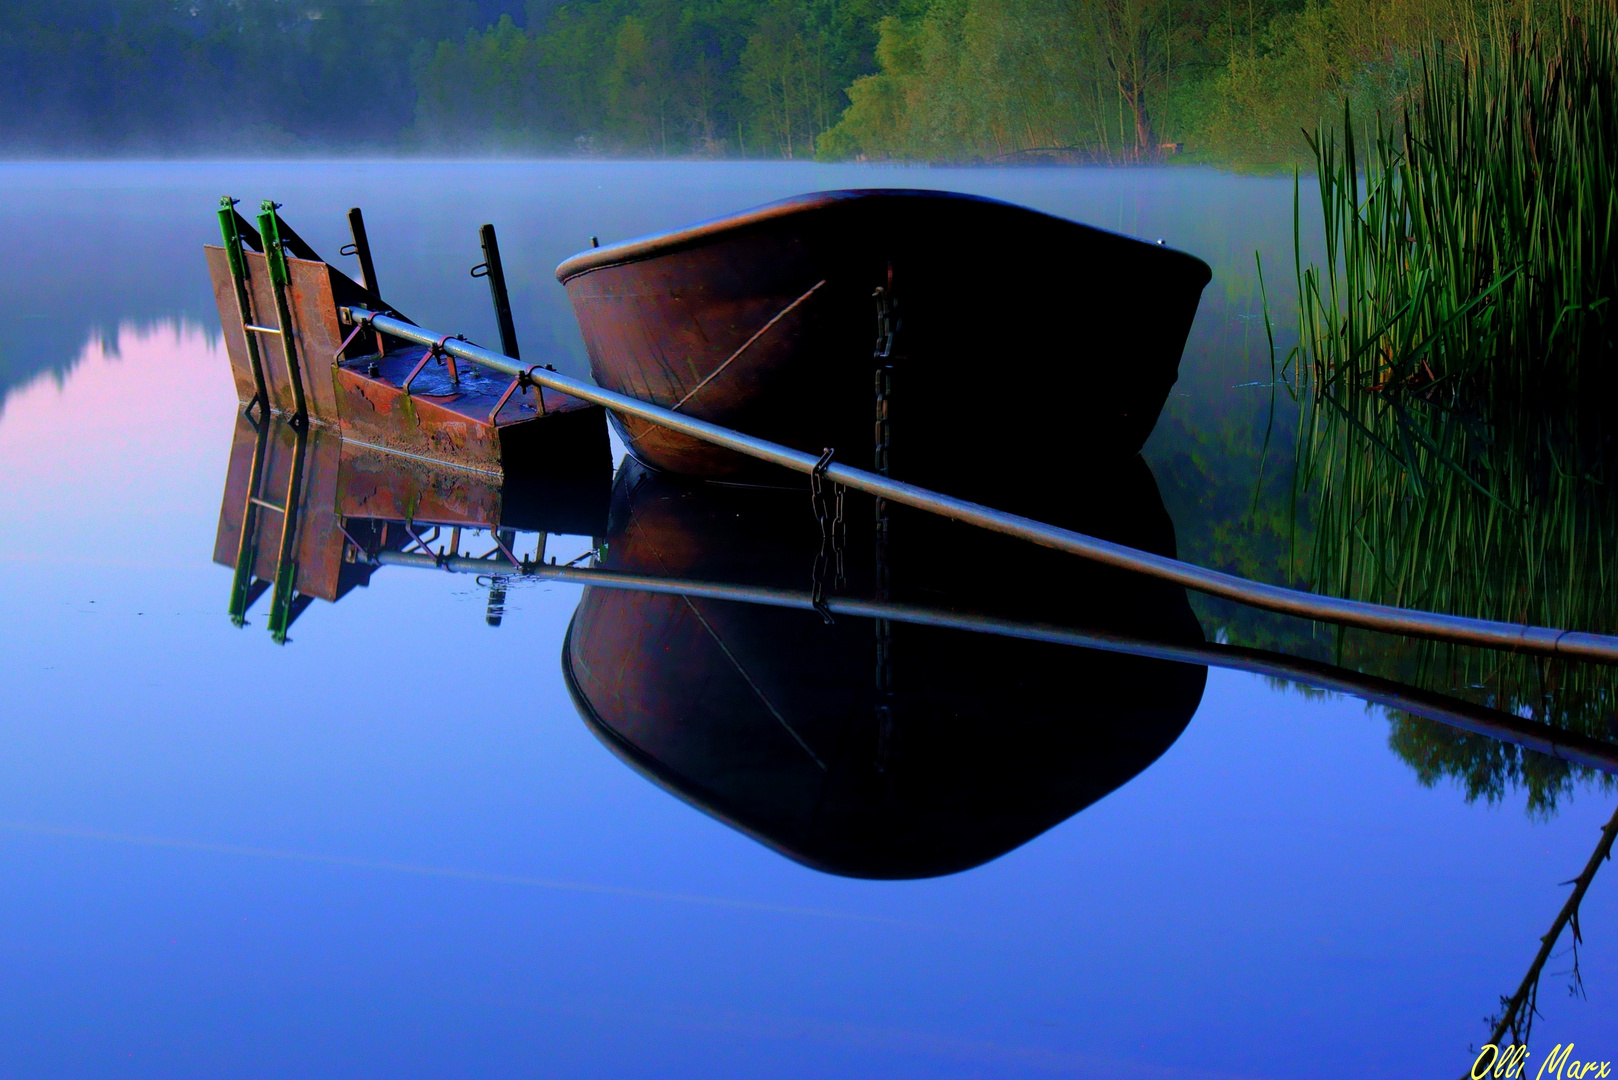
102, 244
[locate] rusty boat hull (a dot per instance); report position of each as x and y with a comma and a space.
1017, 335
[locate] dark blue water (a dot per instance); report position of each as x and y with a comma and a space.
392, 848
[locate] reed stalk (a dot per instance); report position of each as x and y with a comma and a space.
1458, 436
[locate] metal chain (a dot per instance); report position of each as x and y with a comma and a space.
839, 536
831, 534
887, 327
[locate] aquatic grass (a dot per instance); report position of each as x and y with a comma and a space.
1476, 237
1457, 438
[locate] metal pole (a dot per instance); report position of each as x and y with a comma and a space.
1306, 605
362, 250
1568, 745
230, 226
286, 562
241, 584
496, 273
269, 227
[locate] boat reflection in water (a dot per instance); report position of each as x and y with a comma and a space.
893, 701
867, 747
307, 516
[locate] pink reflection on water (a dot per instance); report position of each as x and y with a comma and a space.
128, 450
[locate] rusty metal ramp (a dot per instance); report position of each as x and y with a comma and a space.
279, 306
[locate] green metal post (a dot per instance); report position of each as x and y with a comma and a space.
286, 565
269, 227
228, 219
241, 585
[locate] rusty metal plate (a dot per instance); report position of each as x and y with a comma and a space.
316, 333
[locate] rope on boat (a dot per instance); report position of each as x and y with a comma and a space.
1454, 628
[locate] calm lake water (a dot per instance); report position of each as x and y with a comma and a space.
392, 847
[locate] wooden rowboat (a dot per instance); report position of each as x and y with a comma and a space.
992, 334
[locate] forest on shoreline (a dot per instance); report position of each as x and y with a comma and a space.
983, 81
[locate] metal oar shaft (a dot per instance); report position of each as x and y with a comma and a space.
1567, 745
1307, 605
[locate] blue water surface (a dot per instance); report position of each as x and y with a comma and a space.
391, 847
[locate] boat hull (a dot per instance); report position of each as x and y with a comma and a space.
1018, 335
879, 750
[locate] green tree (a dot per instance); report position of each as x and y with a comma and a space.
784, 79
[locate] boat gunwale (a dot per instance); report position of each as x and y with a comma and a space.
656, 245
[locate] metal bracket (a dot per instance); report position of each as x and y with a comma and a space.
504, 550
342, 527
426, 358
447, 359
425, 545
523, 381
337, 356
823, 464
436, 349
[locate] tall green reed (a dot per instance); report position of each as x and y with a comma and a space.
1458, 435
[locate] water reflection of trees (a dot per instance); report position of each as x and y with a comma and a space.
1458, 356
1517, 1012
1479, 511
1449, 397
1478, 516
1472, 508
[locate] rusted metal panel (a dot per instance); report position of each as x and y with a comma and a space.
237, 472
318, 548
230, 323
381, 414
262, 299
319, 335
379, 485
320, 541
316, 333
447, 419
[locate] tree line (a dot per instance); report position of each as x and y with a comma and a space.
184, 75
940, 80
713, 78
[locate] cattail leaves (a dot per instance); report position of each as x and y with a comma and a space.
1460, 346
